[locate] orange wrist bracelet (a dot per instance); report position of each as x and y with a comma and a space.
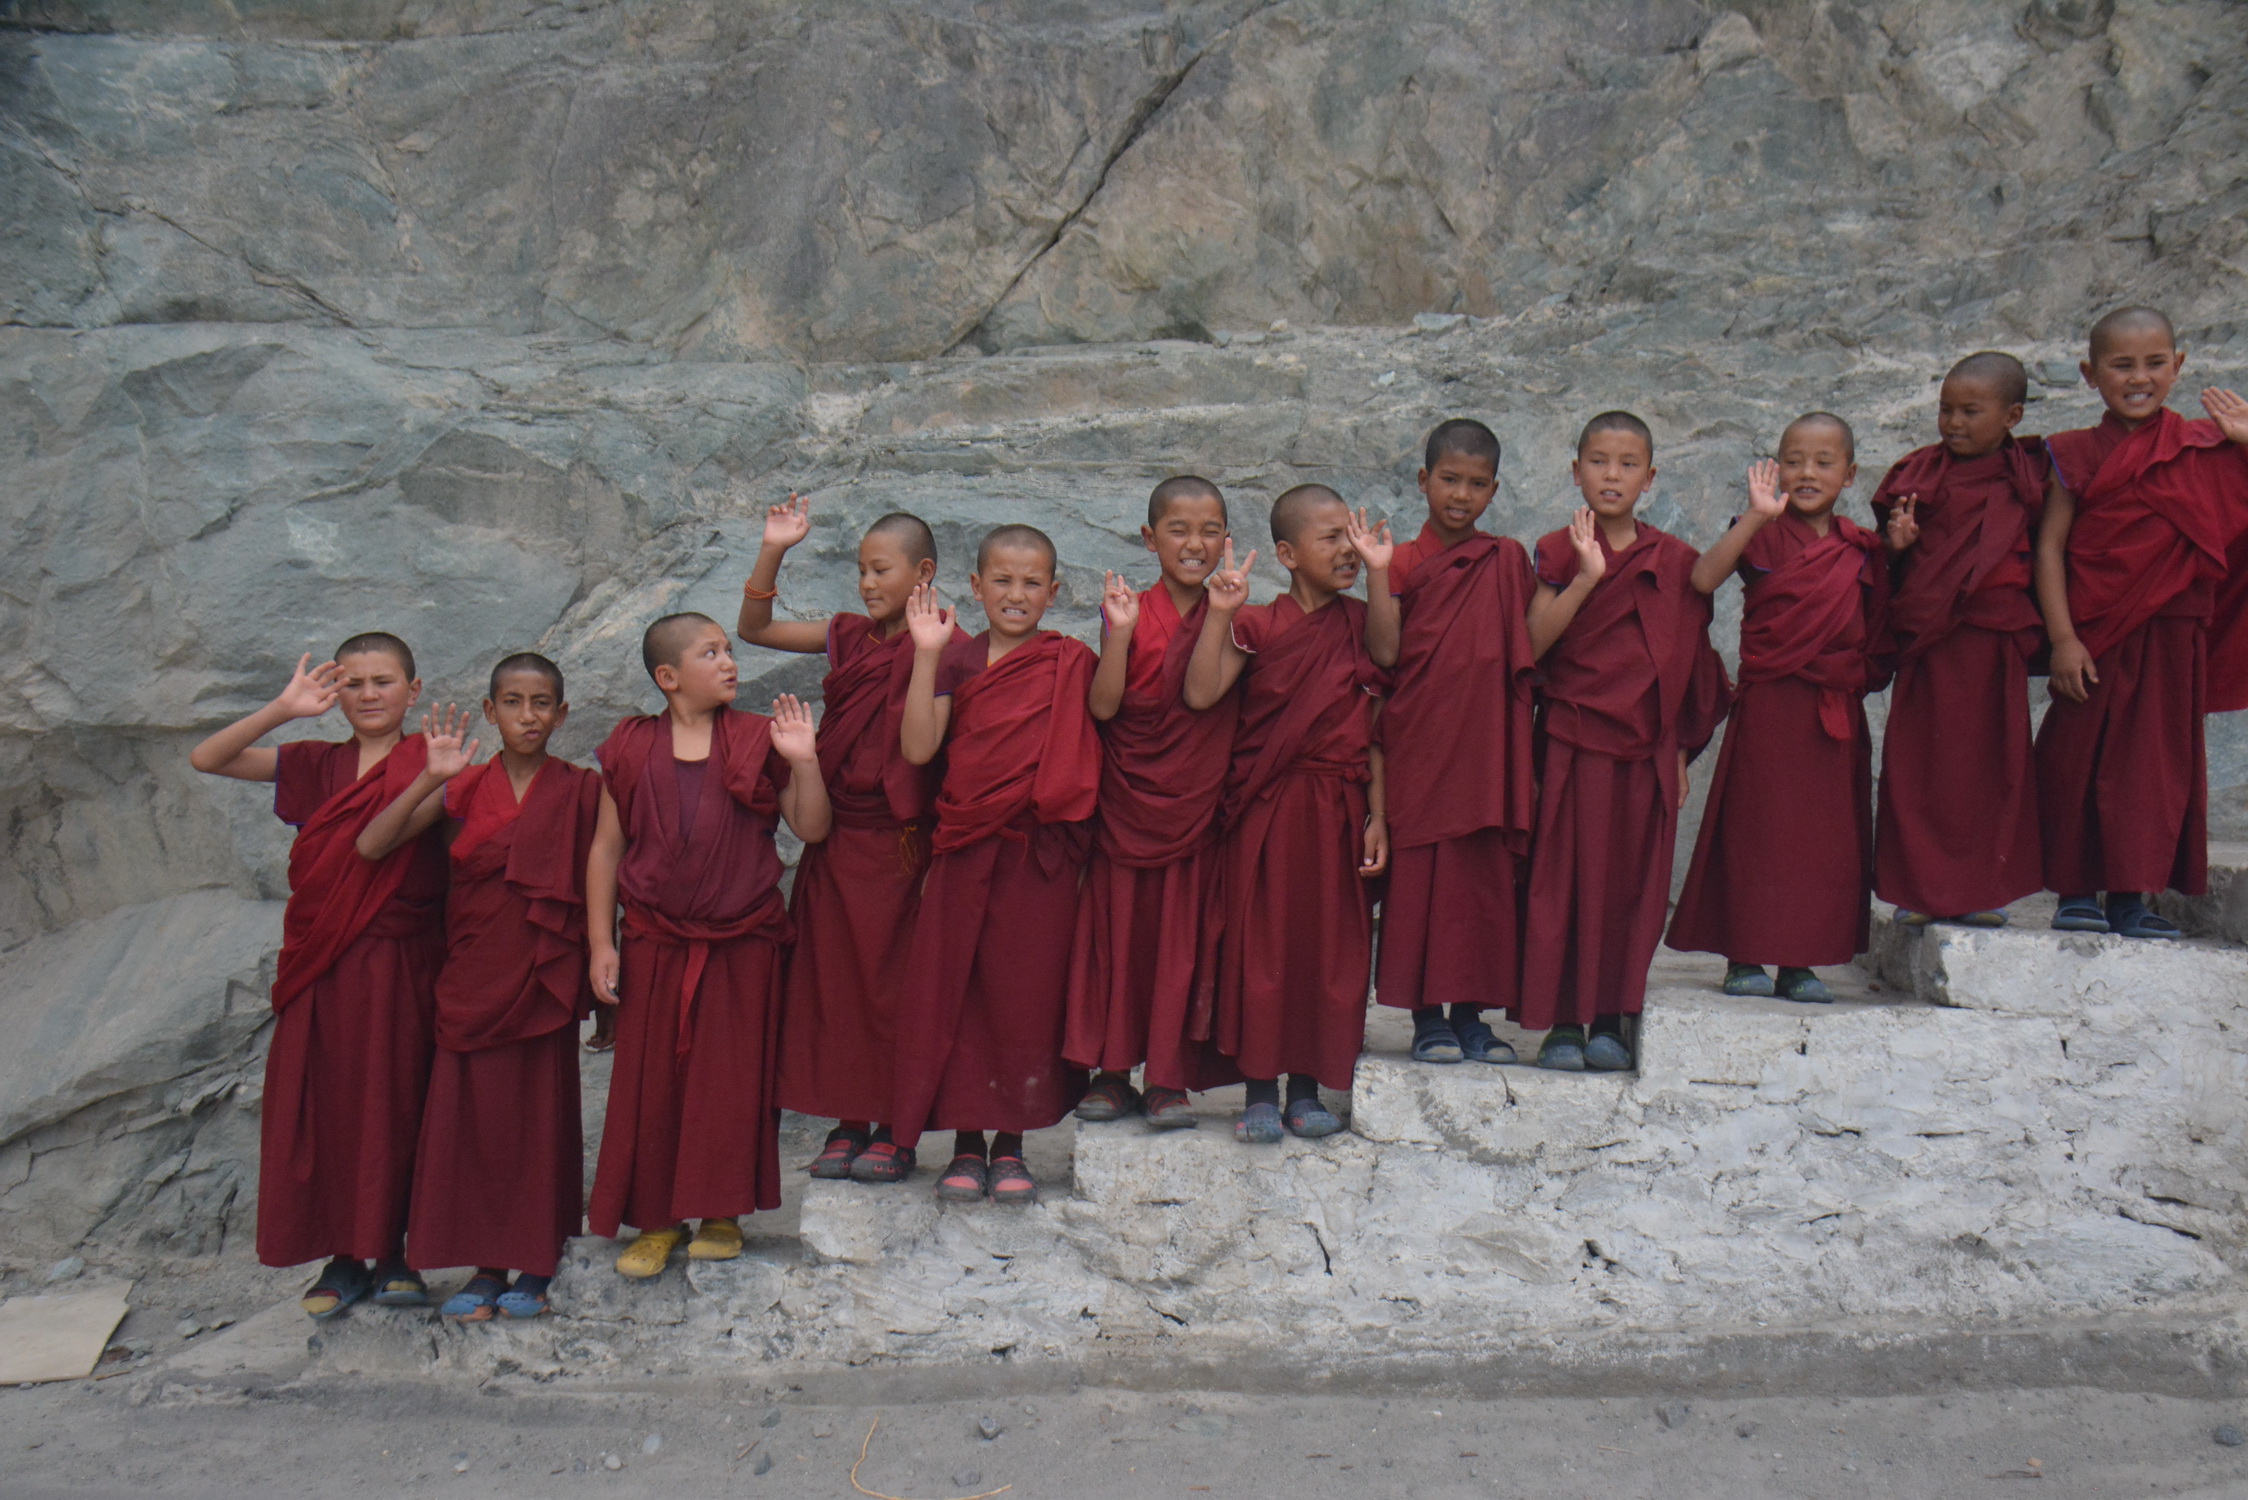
751, 591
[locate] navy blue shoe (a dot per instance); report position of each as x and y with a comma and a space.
1607, 1054
1564, 1049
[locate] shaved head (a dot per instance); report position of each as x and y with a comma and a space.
666, 641
911, 533
2130, 320
1829, 420
1294, 508
1183, 487
528, 661
1016, 535
1616, 421
381, 642
2001, 372
1464, 436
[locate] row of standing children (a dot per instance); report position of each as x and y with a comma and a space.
1031, 868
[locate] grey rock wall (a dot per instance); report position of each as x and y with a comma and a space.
497, 325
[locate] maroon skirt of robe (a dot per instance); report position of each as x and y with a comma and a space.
501, 1176
854, 904
1958, 819
2123, 777
980, 1038
1784, 860
1452, 924
345, 1079
1599, 886
1145, 951
693, 1133
1299, 932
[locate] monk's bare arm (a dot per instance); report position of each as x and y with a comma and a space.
1384, 622
234, 751
1552, 609
601, 899
2072, 674
1713, 567
1216, 664
407, 818
804, 801
785, 526
1375, 859
1120, 615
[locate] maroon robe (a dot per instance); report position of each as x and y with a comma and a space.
353, 994
1298, 939
2123, 783
693, 1129
1456, 736
1957, 829
500, 1176
980, 1035
856, 891
1631, 682
1784, 861
1142, 982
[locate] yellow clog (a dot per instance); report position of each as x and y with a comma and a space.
718, 1239
649, 1252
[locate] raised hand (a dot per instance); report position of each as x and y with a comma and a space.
1764, 498
1584, 539
311, 691
1373, 544
1228, 585
1120, 606
1904, 525
793, 734
450, 750
930, 622
2229, 410
788, 523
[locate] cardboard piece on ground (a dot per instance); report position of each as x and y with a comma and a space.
58, 1337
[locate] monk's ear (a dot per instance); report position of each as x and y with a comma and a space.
667, 678
491, 713
1286, 553
1849, 476
2084, 368
1147, 537
2014, 414
561, 714
1422, 481
413, 692
925, 571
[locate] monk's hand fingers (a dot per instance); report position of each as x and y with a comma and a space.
1246, 564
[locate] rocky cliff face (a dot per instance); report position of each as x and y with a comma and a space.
495, 324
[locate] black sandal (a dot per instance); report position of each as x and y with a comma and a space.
967, 1180
1011, 1181
342, 1282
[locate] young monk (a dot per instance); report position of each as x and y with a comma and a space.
1957, 834
1303, 815
857, 891
980, 1037
1142, 973
2132, 574
1632, 691
499, 1179
1784, 861
1447, 611
353, 992
686, 841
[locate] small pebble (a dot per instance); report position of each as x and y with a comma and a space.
988, 1428
1029, 1410
771, 1418
764, 1464
188, 1328
66, 1268
611, 1461
1745, 1430
652, 1443
968, 1479
822, 1430
1673, 1413
461, 1467
2230, 1436
1194, 1411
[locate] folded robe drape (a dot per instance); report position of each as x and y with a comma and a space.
354, 992
1296, 950
857, 891
2123, 777
1631, 683
692, 1129
1783, 863
980, 1032
1456, 732
499, 1179
1143, 969
1957, 828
